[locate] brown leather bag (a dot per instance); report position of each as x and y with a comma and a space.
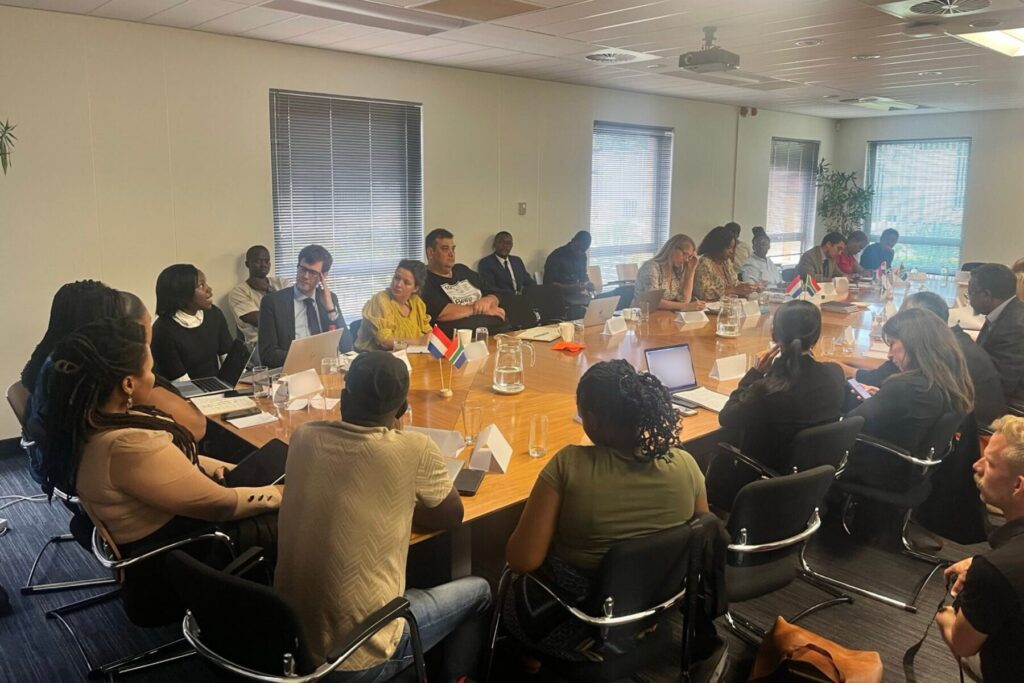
790, 653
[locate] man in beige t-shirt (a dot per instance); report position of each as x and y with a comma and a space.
355, 487
245, 298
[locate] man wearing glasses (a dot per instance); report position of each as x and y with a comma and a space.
308, 308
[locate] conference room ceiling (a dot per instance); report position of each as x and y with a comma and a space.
800, 56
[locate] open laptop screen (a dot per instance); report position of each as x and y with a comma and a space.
673, 365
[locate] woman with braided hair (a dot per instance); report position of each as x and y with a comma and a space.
578, 508
135, 470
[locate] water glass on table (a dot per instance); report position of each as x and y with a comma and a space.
538, 436
330, 377
399, 345
645, 312
260, 382
481, 334
471, 422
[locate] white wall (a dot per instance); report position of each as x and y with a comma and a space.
141, 146
994, 205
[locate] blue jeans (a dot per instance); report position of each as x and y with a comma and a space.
454, 612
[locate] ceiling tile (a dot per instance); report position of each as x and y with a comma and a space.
194, 12
244, 20
133, 10
290, 28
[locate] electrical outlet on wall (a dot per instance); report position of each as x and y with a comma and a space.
522, 208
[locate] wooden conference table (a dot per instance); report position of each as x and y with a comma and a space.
551, 388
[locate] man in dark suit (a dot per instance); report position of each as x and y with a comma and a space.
993, 294
820, 262
501, 271
299, 311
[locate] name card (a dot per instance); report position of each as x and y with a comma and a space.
691, 317
849, 336
841, 284
476, 350
403, 356
751, 309
730, 367
304, 384
615, 325
491, 452
963, 277
890, 310
828, 289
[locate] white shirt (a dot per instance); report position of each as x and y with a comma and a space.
507, 265
757, 269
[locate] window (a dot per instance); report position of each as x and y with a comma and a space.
791, 198
347, 174
630, 183
919, 190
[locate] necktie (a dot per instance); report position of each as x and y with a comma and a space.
312, 319
984, 333
511, 277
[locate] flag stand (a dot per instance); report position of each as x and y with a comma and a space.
445, 392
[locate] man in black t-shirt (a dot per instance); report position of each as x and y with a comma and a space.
455, 296
990, 587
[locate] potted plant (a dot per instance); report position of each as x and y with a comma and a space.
842, 203
7, 139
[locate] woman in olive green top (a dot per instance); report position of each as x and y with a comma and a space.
632, 482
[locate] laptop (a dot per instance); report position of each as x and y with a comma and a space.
651, 297
599, 311
260, 468
306, 353
673, 366
230, 372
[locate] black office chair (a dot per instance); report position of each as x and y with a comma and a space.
549, 303
638, 582
250, 630
353, 329
110, 557
971, 265
788, 274
904, 498
763, 554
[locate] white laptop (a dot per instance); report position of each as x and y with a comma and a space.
673, 366
306, 353
599, 311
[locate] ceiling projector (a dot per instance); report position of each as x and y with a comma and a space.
710, 58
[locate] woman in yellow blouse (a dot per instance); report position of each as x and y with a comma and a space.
397, 313
672, 269
716, 273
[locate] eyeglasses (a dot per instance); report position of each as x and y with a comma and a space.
309, 272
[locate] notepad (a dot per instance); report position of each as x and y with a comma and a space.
705, 398
217, 404
545, 334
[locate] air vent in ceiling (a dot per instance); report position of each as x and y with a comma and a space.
949, 8
614, 55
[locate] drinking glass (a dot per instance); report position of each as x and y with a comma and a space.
279, 392
481, 334
828, 346
635, 315
577, 331
399, 345
261, 382
645, 312
471, 422
330, 376
538, 436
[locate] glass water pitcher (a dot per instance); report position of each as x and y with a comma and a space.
509, 364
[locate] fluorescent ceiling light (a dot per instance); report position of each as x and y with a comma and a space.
374, 14
1009, 42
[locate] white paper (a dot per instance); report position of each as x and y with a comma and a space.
321, 403
691, 317
491, 452
965, 318
253, 420
449, 442
304, 384
751, 309
730, 367
615, 325
215, 405
403, 356
828, 289
712, 400
416, 348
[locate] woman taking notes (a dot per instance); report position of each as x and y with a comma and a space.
672, 269
716, 273
397, 313
632, 482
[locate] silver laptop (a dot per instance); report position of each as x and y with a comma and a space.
306, 353
599, 311
230, 371
673, 366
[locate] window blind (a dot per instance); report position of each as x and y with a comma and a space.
631, 180
919, 190
348, 175
791, 198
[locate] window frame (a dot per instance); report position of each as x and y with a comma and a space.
662, 193
905, 239
810, 202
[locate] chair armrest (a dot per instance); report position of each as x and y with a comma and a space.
606, 621
246, 562
1016, 408
396, 609
885, 447
986, 430
766, 472
813, 525
104, 559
